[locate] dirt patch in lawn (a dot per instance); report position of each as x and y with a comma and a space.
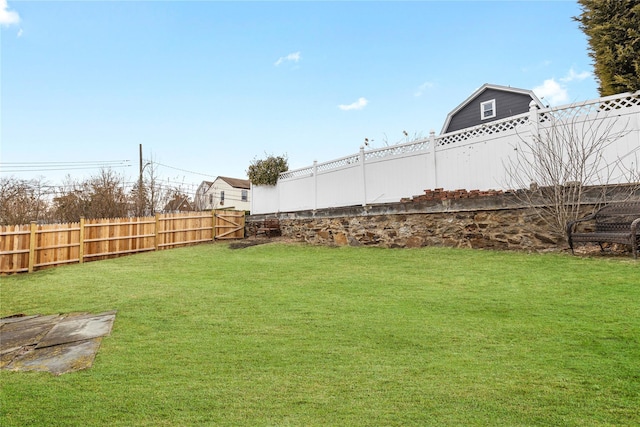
254, 241
246, 243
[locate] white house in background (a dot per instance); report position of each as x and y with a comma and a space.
224, 193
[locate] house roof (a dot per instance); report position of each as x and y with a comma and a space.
236, 182
205, 186
178, 204
483, 88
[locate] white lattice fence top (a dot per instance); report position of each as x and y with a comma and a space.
350, 160
611, 103
395, 150
345, 161
625, 102
484, 130
308, 171
296, 173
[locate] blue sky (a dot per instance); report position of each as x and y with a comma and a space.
207, 86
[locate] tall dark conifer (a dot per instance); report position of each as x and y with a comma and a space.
613, 31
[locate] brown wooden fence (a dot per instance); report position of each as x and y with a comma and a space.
32, 246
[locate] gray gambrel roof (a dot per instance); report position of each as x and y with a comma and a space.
483, 88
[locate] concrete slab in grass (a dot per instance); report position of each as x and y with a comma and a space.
78, 328
56, 343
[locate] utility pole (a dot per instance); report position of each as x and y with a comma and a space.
140, 193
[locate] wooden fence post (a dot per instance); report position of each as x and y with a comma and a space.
244, 224
213, 224
157, 233
32, 246
81, 249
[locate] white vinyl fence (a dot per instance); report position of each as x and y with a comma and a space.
473, 158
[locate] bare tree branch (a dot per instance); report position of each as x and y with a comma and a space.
552, 168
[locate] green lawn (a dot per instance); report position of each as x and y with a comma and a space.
293, 335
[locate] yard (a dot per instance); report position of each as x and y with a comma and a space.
295, 335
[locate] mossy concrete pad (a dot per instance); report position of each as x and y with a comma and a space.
56, 343
58, 359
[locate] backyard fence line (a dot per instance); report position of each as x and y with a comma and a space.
28, 247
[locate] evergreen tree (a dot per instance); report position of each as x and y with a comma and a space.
612, 28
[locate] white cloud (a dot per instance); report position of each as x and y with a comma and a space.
358, 105
572, 75
295, 57
7, 17
20, 32
555, 92
422, 88
552, 92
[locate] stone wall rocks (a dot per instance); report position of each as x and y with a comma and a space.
494, 221
503, 229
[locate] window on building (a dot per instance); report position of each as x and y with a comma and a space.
222, 197
245, 195
488, 109
210, 199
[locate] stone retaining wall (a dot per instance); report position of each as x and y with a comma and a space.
500, 229
488, 222
496, 221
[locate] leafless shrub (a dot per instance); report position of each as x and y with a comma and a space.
22, 201
555, 167
101, 196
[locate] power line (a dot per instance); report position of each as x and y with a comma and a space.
13, 167
184, 170
54, 190
59, 168
65, 163
187, 188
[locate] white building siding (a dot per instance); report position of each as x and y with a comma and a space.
221, 195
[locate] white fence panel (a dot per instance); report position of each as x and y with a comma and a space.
264, 199
616, 160
478, 164
340, 187
390, 179
297, 193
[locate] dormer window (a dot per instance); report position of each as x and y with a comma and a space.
487, 109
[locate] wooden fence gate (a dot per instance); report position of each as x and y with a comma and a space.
229, 225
